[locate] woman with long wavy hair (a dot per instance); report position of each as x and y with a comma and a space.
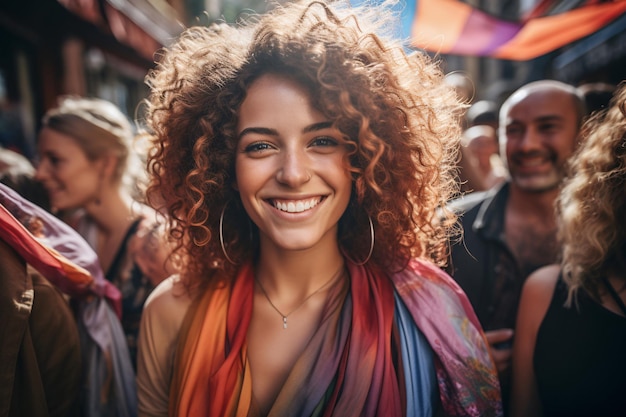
304, 161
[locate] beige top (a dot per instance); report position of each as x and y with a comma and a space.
162, 317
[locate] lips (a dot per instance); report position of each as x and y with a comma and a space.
532, 161
296, 206
52, 191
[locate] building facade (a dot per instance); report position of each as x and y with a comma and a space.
95, 48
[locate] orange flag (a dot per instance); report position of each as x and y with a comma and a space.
454, 27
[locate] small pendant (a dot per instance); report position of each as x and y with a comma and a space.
284, 322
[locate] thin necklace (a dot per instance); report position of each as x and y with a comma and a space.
285, 316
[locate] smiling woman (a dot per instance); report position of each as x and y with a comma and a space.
85, 148
303, 159
289, 158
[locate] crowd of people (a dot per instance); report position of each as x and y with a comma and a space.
510, 229
317, 223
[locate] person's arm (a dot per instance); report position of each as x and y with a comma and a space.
536, 297
57, 347
500, 347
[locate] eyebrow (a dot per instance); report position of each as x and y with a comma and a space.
543, 118
259, 130
273, 132
549, 118
317, 126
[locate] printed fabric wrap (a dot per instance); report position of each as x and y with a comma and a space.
348, 366
63, 257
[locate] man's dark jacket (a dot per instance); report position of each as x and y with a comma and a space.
482, 263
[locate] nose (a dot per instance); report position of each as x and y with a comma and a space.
41, 171
529, 141
294, 170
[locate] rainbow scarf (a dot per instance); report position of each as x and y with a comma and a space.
377, 341
54, 249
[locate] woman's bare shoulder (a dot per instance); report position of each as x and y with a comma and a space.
543, 279
168, 302
537, 295
170, 290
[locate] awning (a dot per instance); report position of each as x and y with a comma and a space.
136, 23
595, 51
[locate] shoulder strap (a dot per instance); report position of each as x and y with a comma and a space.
119, 256
614, 294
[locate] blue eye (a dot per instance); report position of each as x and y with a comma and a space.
324, 141
257, 147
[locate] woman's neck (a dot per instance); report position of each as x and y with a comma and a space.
113, 211
297, 272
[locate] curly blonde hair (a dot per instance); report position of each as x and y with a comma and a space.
400, 120
592, 205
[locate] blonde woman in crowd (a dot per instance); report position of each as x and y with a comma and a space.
85, 153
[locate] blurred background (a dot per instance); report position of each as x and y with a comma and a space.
104, 48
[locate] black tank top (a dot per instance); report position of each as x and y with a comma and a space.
580, 359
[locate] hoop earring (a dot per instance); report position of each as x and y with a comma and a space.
369, 255
222, 236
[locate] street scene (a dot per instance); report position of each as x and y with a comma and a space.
312, 208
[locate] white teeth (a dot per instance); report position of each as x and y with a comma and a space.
298, 206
